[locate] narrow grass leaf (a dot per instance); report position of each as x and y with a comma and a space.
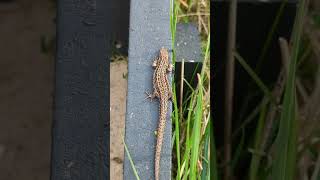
130, 159
177, 129
270, 35
286, 141
196, 133
255, 160
205, 164
188, 141
238, 150
254, 76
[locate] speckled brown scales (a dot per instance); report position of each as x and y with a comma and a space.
161, 90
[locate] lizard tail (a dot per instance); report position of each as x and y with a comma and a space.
160, 132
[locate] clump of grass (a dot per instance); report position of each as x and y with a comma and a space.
196, 11
291, 154
193, 152
191, 121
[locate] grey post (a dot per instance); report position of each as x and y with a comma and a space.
149, 31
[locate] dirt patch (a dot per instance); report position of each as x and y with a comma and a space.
26, 93
26, 87
118, 92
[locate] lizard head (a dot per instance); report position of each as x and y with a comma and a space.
164, 54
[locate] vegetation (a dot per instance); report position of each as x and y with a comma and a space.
285, 144
285, 121
191, 117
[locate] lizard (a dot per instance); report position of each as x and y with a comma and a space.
162, 91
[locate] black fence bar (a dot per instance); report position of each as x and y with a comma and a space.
80, 147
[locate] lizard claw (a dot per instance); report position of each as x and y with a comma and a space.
170, 68
149, 95
170, 95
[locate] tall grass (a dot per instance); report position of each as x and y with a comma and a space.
194, 151
192, 127
284, 149
286, 141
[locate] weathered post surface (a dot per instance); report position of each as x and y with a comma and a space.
80, 147
149, 31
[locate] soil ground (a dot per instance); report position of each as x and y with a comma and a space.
118, 92
26, 91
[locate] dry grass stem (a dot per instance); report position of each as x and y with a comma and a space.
193, 14
181, 89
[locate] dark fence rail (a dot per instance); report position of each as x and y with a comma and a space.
80, 148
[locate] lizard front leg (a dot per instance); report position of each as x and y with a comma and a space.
154, 64
152, 95
170, 68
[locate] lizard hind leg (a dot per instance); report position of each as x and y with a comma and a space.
151, 95
170, 68
170, 95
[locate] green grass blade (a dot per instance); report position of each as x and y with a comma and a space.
130, 159
173, 24
174, 5
177, 131
189, 85
194, 72
238, 150
255, 160
188, 143
254, 76
250, 117
195, 139
286, 141
206, 55
270, 35
205, 174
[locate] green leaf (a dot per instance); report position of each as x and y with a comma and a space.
283, 167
